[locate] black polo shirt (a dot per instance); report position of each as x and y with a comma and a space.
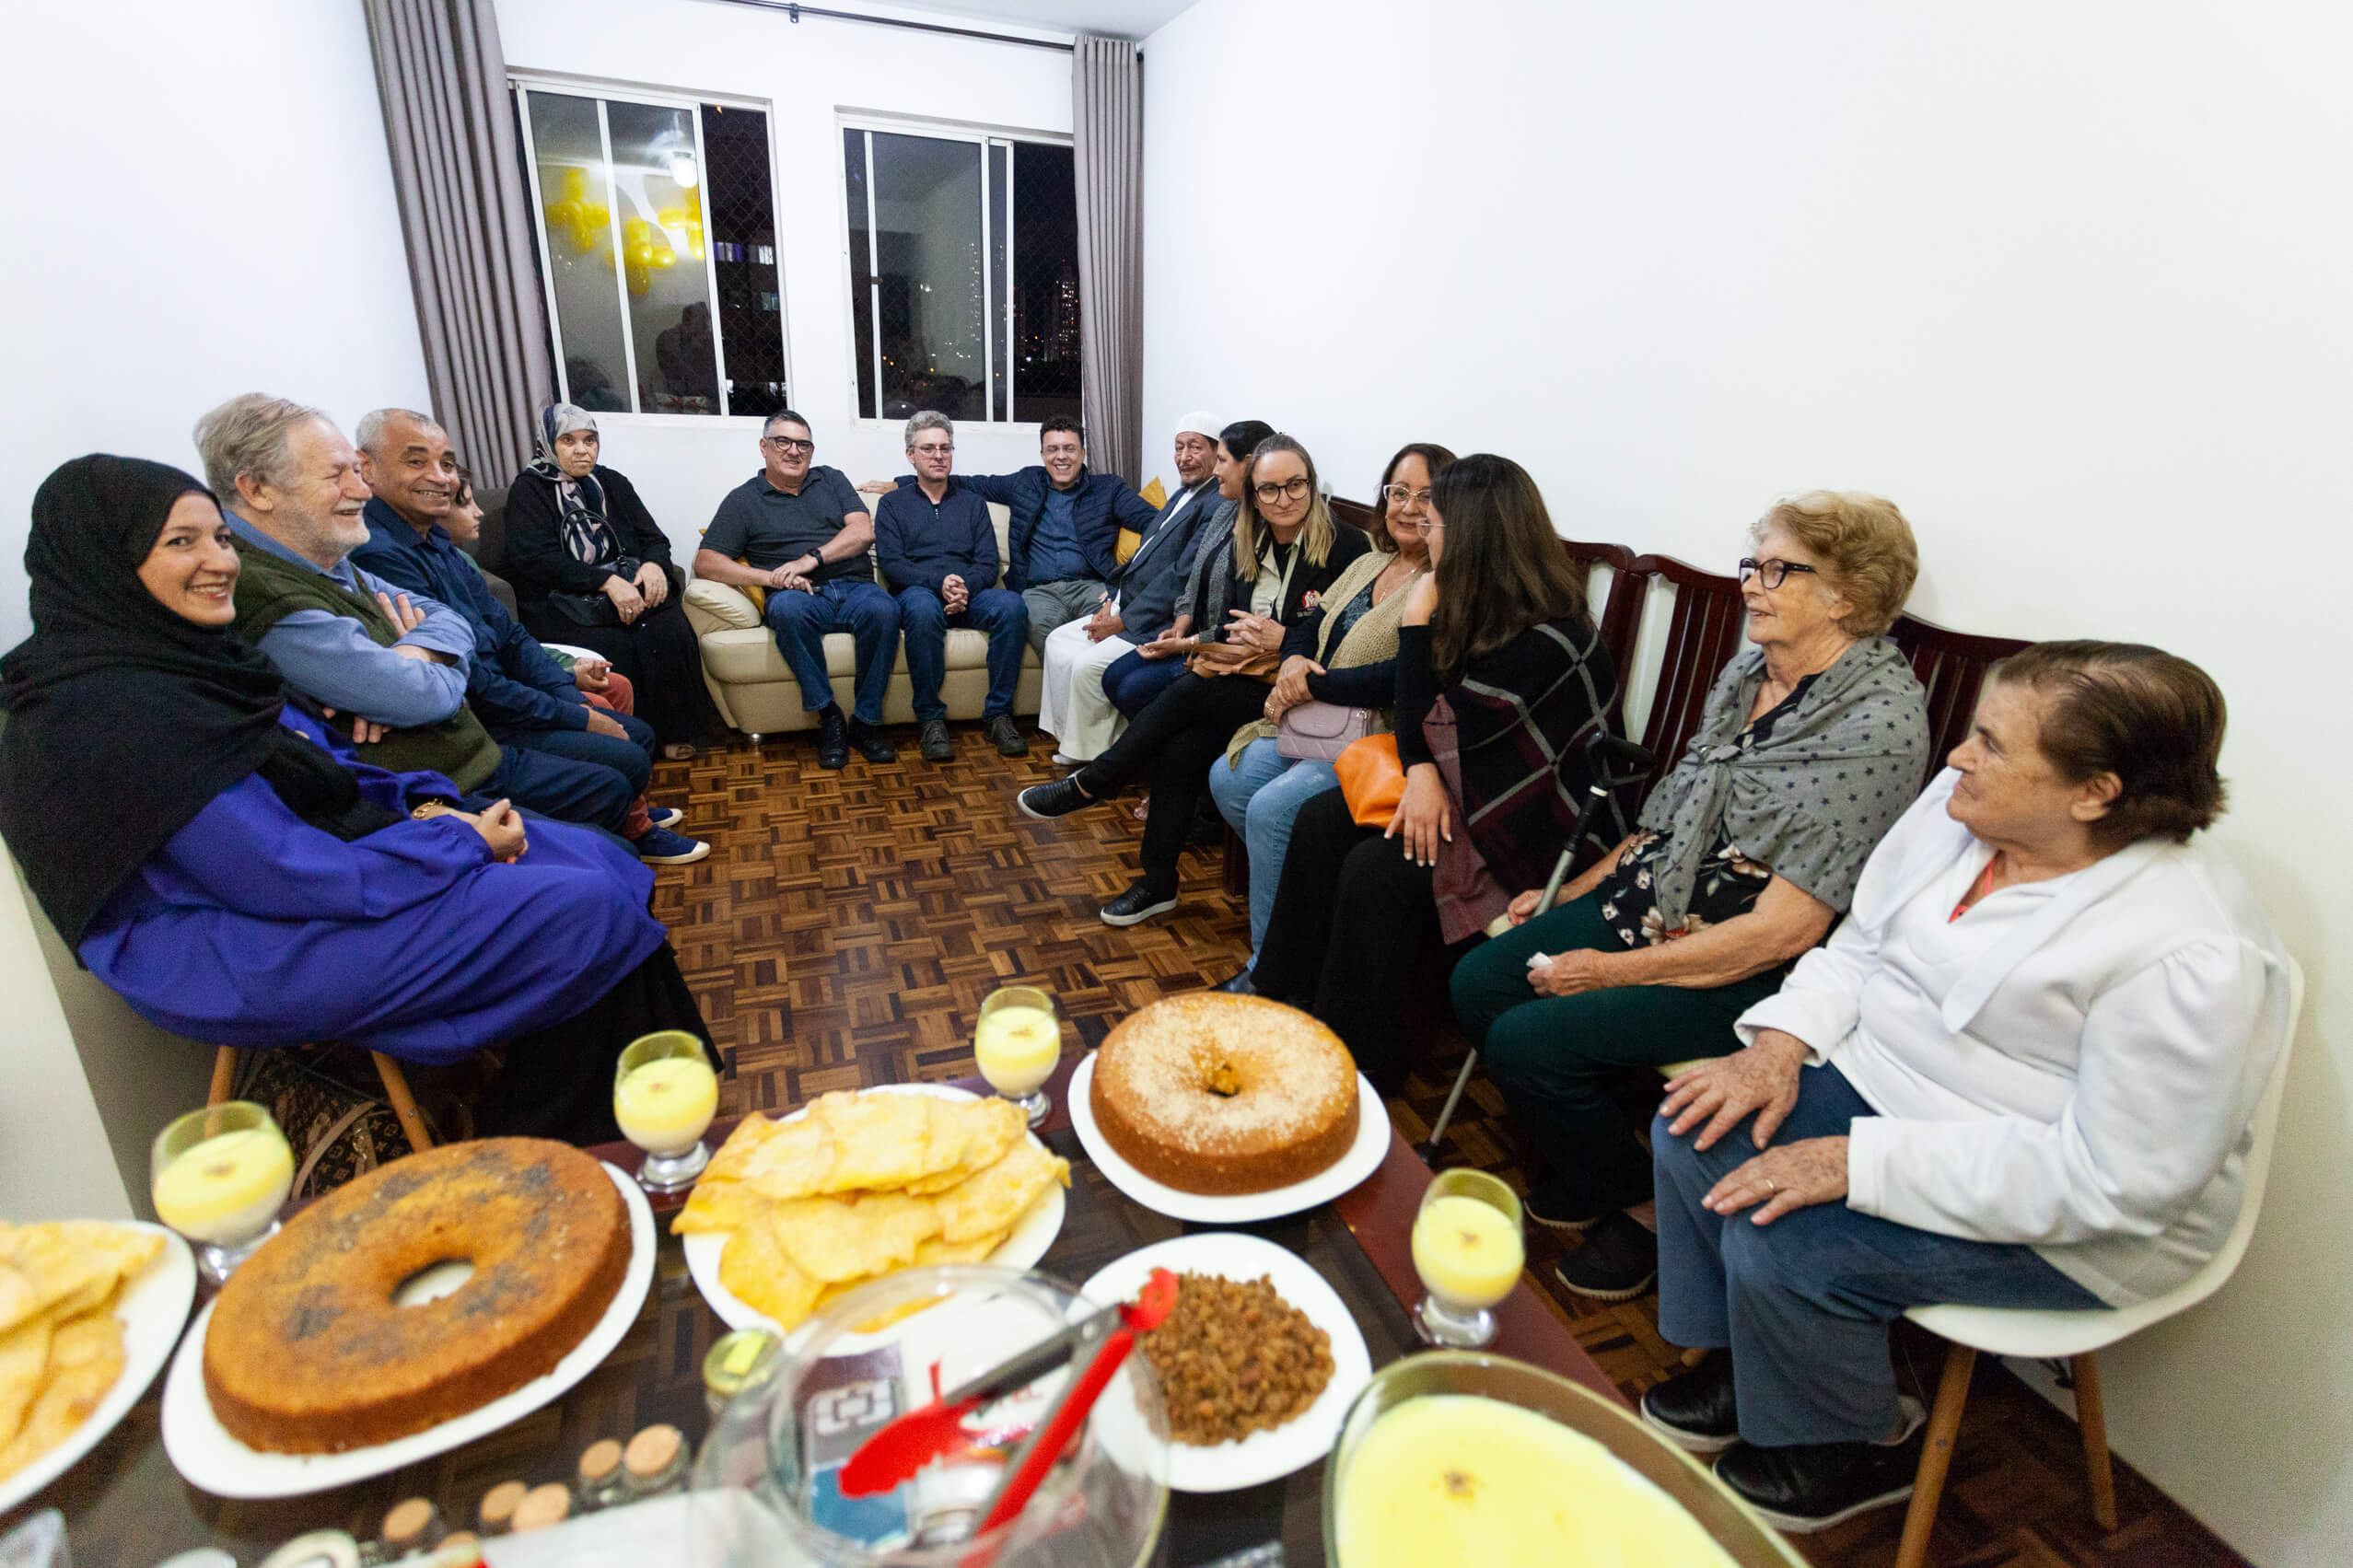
762, 526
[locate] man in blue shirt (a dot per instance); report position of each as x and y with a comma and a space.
937, 550
801, 535
520, 695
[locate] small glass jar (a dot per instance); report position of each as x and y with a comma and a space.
656, 1460
542, 1506
413, 1525
496, 1515
736, 1361
600, 1482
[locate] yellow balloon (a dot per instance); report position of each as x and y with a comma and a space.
576, 184
635, 231
597, 213
584, 235
664, 258
640, 280
694, 239
671, 218
640, 254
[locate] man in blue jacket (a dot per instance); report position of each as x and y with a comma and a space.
521, 695
1064, 534
938, 550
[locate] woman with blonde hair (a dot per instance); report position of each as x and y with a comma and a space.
1246, 592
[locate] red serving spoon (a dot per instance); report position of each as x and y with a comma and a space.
891, 1456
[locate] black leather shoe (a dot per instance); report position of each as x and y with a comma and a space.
1240, 985
1048, 801
832, 739
1696, 1410
1807, 1487
1618, 1261
870, 745
1139, 904
931, 739
1001, 730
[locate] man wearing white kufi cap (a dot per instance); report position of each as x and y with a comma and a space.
1140, 606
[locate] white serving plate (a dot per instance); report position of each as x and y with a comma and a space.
1363, 1157
207, 1457
1300, 1442
153, 1309
1022, 1247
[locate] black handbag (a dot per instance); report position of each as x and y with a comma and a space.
594, 609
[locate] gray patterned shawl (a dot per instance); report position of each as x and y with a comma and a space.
1813, 800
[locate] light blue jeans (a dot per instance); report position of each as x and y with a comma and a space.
1258, 800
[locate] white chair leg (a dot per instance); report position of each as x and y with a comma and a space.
1461, 1082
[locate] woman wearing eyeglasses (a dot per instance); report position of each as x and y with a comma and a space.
1285, 552
1813, 741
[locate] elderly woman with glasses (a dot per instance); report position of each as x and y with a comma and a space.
1285, 552
1813, 740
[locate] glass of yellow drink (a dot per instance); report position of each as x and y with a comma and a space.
1018, 1043
218, 1177
664, 1094
1467, 1248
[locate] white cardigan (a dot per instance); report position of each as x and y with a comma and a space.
2073, 1065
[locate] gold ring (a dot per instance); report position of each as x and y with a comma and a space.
1771, 1187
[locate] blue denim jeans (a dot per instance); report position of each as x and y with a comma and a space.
1804, 1303
1259, 799
1133, 681
632, 759
860, 608
923, 621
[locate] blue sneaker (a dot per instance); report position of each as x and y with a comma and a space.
660, 846
666, 816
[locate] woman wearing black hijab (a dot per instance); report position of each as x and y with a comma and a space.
218, 857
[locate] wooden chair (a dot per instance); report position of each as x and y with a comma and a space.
1951, 665
396, 1089
1702, 634
1619, 614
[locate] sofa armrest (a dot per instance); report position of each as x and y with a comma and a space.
719, 606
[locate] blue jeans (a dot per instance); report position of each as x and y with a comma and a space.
800, 621
925, 621
1804, 1303
563, 788
1258, 800
1133, 681
632, 759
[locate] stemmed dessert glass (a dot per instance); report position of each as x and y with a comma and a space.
218, 1177
1018, 1041
664, 1096
1468, 1250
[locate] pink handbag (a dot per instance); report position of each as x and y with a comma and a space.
1317, 732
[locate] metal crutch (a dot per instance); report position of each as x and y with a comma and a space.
1633, 762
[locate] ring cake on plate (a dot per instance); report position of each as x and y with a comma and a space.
1225, 1095
308, 1352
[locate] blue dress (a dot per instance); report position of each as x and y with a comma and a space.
249, 927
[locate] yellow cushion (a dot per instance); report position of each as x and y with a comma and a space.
1158, 494
752, 591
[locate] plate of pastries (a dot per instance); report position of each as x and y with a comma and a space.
90, 1310
1227, 1108
793, 1213
430, 1302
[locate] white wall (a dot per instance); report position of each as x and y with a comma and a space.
2069, 283
808, 72
216, 218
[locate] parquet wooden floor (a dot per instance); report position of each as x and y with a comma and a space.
846, 926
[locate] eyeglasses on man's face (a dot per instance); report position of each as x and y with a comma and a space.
1405, 495
1772, 572
1296, 488
787, 444
933, 449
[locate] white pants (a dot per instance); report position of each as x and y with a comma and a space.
1072, 707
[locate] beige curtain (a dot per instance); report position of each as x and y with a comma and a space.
1107, 120
466, 212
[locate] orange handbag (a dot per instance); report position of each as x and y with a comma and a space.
1372, 780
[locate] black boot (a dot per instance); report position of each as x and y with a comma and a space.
832, 739
870, 745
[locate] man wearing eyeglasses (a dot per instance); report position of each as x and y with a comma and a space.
800, 533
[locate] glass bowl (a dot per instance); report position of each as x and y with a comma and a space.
1744, 1536
765, 1488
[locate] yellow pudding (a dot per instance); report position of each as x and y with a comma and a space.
1457, 1477
664, 1105
1467, 1252
227, 1188
1016, 1048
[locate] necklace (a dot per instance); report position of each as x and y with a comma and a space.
1977, 890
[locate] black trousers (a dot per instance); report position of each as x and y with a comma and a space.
1353, 921
557, 1082
660, 656
1172, 742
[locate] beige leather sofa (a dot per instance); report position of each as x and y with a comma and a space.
755, 690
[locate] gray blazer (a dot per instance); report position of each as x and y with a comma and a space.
1148, 583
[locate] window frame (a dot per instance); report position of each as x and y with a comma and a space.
984, 136
601, 89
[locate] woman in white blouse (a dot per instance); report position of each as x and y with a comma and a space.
2020, 1075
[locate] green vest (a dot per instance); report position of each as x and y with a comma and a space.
269, 588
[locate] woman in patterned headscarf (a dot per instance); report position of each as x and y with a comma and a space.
592, 569
1813, 742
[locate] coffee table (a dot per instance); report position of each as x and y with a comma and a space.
125, 1504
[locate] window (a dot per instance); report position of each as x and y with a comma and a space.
963, 275
657, 229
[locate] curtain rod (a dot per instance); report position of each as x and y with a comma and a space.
795, 11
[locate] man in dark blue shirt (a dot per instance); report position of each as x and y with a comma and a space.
521, 695
800, 534
937, 549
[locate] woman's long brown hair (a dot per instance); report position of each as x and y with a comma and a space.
1501, 569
